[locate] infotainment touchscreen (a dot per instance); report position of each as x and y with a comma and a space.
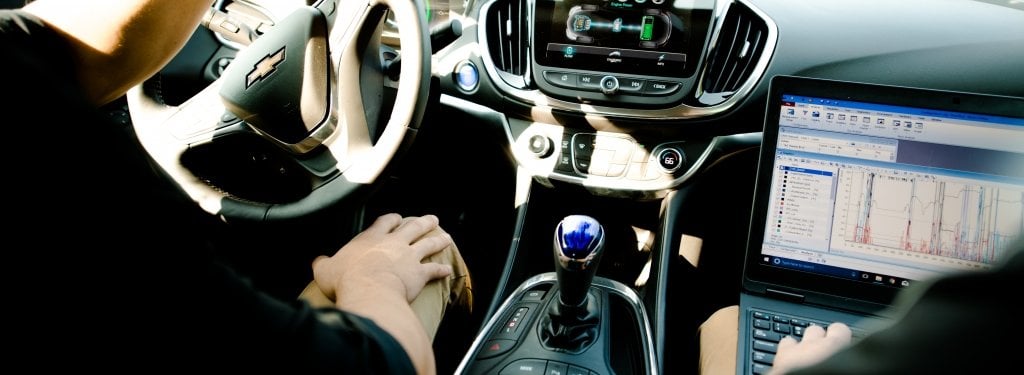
648, 37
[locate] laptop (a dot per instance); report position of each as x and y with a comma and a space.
865, 189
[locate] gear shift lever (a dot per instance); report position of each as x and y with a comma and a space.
579, 243
572, 321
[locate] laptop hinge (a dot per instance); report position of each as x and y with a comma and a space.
793, 297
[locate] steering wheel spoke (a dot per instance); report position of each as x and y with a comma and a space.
167, 131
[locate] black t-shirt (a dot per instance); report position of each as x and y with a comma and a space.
109, 265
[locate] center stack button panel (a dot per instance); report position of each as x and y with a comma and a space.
613, 156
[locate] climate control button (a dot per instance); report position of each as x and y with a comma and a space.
670, 159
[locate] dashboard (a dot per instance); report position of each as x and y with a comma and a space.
630, 97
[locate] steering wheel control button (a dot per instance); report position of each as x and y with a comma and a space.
609, 85
658, 88
561, 79
193, 120
222, 64
670, 159
467, 77
228, 118
540, 146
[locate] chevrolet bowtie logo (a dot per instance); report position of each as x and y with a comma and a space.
265, 67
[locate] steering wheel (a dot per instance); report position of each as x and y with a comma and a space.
301, 86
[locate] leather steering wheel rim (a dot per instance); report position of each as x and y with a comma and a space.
167, 132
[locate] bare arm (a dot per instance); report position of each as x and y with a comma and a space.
379, 272
120, 43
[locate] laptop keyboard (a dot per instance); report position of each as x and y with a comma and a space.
769, 328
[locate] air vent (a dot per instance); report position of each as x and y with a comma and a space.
507, 40
739, 47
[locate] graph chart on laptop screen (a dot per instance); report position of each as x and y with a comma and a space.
891, 194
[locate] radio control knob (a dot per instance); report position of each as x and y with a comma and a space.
609, 85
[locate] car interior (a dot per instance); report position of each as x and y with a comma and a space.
524, 125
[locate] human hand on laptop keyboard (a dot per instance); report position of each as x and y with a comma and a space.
817, 344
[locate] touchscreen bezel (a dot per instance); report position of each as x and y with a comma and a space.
557, 45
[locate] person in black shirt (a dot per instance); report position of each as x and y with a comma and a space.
122, 263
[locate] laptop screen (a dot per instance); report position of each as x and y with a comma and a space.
871, 188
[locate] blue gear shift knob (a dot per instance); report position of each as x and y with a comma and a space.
579, 243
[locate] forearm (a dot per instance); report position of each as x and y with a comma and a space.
393, 314
120, 43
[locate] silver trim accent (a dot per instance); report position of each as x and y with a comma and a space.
681, 111
610, 186
762, 63
317, 138
550, 277
499, 78
656, 188
662, 153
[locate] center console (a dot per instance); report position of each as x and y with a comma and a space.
595, 94
636, 52
567, 321
511, 343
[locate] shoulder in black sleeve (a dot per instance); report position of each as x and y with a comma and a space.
116, 265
